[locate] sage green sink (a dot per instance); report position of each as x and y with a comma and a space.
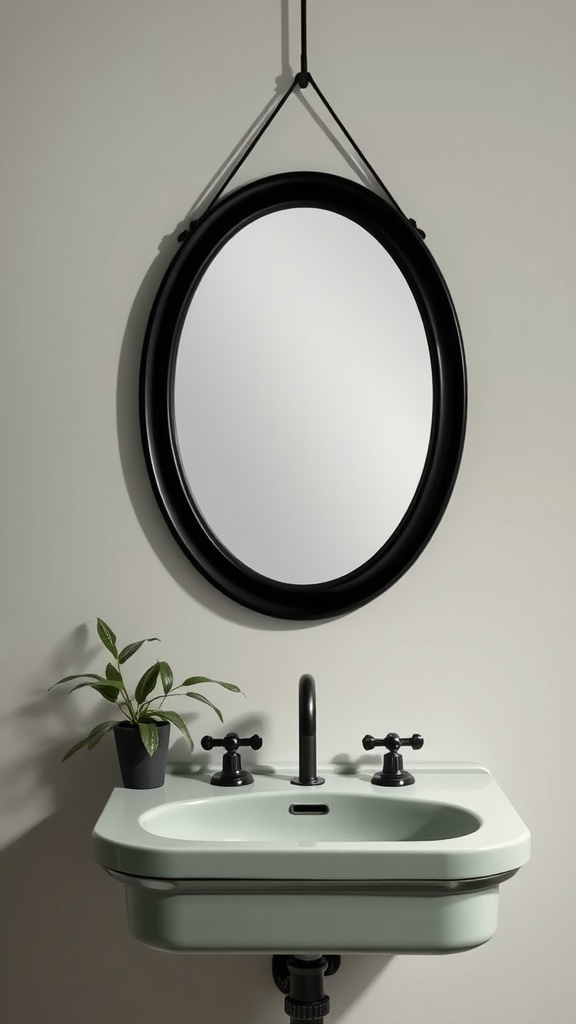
343, 867
275, 817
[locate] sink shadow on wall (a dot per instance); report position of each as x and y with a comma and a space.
65, 949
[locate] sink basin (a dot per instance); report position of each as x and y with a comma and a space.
276, 818
343, 867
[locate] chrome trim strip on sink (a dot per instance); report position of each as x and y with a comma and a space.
345, 887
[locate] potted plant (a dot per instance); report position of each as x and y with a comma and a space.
142, 738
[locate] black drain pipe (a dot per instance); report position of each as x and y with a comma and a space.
301, 978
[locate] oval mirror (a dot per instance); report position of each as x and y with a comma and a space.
303, 395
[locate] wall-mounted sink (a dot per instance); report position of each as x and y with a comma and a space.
345, 867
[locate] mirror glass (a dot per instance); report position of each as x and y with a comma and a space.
303, 395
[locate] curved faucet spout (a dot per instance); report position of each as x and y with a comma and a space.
307, 706
307, 733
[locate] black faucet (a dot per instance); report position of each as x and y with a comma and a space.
307, 733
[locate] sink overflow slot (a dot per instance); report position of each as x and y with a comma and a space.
309, 808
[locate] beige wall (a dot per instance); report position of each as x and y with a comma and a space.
114, 116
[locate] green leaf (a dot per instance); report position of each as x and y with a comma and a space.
109, 690
196, 680
204, 700
147, 683
228, 686
82, 675
107, 637
113, 673
131, 649
91, 739
166, 676
149, 736
171, 716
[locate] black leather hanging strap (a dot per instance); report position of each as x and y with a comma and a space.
302, 79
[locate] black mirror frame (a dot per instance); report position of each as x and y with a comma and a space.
402, 240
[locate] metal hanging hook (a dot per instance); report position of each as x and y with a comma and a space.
303, 77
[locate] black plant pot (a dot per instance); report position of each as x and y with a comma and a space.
139, 770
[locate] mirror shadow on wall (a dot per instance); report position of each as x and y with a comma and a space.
133, 464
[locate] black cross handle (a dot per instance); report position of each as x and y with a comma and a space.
231, 742
232, 773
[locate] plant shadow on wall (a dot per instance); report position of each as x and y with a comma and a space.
63, 915
130, 443
59, 910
